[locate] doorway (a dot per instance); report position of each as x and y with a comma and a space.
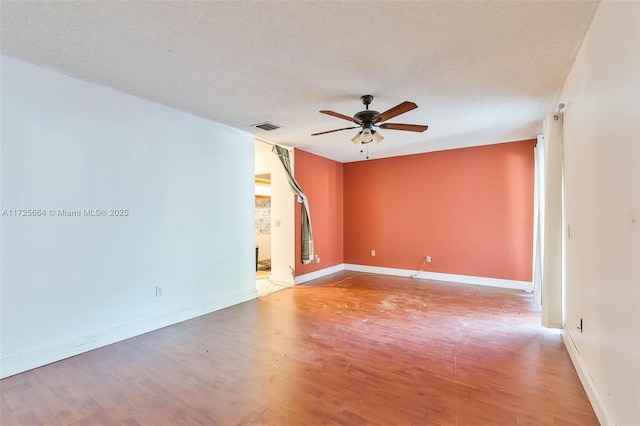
274, 240
263, 225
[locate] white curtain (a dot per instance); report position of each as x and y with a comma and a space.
538, 219
551, 223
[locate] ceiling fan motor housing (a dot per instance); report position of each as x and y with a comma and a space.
366, 117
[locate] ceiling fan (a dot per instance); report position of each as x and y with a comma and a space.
368, 119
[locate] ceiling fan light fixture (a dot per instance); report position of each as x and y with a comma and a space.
377, 137
366, 136
356, 139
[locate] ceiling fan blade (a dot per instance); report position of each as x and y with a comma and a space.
409, 127
406, 106
336, 130
344, 117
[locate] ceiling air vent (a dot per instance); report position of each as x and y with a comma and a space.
266, 125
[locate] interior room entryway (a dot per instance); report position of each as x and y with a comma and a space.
274, 223
263, 225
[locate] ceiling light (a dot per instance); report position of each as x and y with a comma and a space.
366, 136
377, 137
356, 139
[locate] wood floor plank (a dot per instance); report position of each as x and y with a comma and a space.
347, 349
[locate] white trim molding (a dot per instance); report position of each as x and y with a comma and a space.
437, 276
589, 385
319, 274
283, 283
43, 356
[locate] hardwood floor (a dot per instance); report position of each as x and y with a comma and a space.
373, 350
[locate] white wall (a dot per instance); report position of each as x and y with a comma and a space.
602, 162
71, 284
264, 242
282, 213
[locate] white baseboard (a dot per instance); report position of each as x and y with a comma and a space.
379, 270
589, 385
43, 356
437, 276
283, 283
319, 274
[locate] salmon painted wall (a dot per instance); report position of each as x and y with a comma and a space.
470, 209
321, 180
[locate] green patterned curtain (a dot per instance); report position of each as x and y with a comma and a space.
307, 237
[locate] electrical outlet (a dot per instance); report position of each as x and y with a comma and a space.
373, 252
317, 259
428, 259
158, 291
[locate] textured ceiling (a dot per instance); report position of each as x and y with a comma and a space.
480, 72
